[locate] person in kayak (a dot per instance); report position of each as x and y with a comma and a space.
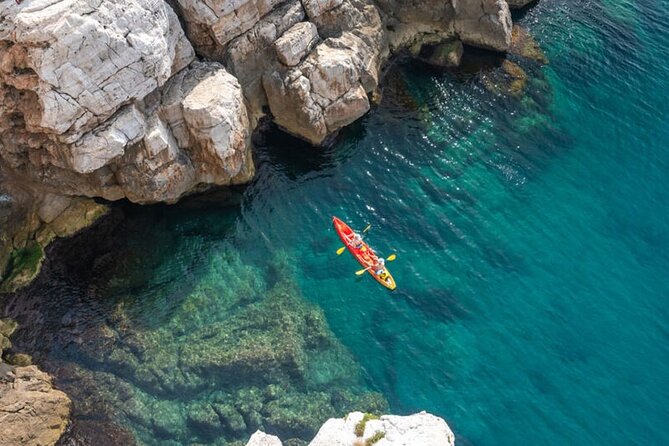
356, 241
380, 268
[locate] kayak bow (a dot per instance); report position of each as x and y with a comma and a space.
363, 254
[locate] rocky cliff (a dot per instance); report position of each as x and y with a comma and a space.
358, 429
152, 99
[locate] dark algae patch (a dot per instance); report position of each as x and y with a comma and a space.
23, 266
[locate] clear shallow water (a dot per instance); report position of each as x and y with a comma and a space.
532, 240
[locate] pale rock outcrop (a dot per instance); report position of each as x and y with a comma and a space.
483, 23
32, 412
329, 88
315, 8
260, 438
422, 429
321, 95
217, 121
212, 24
296, 43
82, 63
250, 55
198, 132
412, 22
83, 94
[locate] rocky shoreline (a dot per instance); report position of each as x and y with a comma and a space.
163, 104
148, 110
32, 411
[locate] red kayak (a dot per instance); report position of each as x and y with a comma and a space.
363, 254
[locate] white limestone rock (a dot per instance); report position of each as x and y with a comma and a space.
296, 43
96, 149
216, 22
483, 23
260, 438
217, 120
250, 55
329, 88
82, 63
315, 8
198, 132
421, 429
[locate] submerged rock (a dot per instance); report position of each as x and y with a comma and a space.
509, 79
233, 351
524, 45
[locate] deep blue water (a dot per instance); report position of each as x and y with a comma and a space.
532, 237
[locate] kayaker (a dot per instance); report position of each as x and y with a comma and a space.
356, 241
380, 267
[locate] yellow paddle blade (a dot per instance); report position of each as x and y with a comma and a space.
367, 228
340, 250
391, 257
361, 272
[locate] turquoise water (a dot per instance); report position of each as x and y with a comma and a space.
532, 237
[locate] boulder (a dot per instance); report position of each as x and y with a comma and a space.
296, 43
483, 23
212, 24
328, 90
32, 412
315, 8
260, 438
197, 132
391, 430
217, 121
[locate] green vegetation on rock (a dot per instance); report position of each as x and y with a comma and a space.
23, 266
360, 427
375, 438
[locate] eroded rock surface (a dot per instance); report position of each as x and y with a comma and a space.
89, 103
84, 95
422, 429
32, 412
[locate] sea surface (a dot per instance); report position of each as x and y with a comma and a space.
532, 238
